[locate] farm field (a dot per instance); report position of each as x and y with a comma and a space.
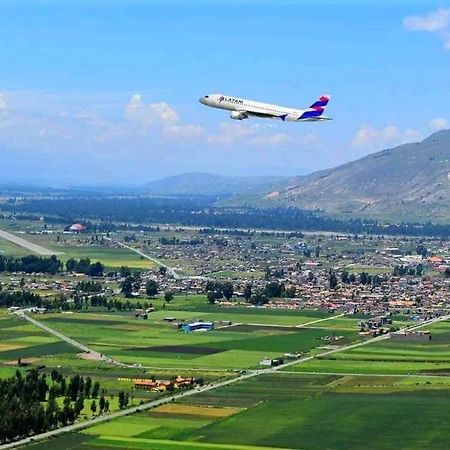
20, 339
281, 411
156, 343
73, 247
391, 356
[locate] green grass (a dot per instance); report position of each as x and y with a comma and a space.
289, 411
131, 341
7, 248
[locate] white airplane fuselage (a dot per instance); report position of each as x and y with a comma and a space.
243, 109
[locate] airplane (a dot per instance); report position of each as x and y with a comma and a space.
243, 109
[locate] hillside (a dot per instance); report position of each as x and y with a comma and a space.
210, 184
411, 181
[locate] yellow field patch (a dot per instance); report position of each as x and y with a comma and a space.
10, 346
194, 410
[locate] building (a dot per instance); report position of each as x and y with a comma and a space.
271, 362
197, 326
77, 228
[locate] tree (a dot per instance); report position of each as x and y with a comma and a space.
126, 287
93, 407
151, 288
106, 408
79, 405
345, 277
227, 290
333, 280
274, 289
101, 403
125, 272
95, 389
95, 270
87, 387
248, 292
74, 387
422, 250
259, 298
123, 399
168, 296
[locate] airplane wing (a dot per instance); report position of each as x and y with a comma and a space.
266, 115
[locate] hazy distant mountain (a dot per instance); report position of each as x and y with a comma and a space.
406, 182
210, 184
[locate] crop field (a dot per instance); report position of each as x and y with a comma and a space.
285, 411
156, 343
391, 356
19, 339
74, 247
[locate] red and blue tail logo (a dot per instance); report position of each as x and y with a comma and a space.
317, 108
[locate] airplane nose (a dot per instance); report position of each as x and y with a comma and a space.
202, 100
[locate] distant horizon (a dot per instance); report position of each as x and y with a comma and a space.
286, 172
104, 92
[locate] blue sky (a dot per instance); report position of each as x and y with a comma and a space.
106, 92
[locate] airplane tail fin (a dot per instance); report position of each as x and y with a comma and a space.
316, 109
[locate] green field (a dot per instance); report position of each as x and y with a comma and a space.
20, 339
290, 411
390, 356
156, 344
76, 247
7, 248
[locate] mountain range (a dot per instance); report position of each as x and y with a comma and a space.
407, 182
410, 181
213, 185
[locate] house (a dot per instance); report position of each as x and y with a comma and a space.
197, 326
270, 362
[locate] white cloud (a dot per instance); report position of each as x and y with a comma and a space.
138, 111
183, 131
230, 133
436, 22
438, 124
433, 21
368, 136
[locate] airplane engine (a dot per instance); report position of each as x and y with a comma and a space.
238, 115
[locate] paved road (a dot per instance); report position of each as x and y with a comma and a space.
156, 261
216, 385
27, 244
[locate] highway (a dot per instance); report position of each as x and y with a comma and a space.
219, 384
27, 244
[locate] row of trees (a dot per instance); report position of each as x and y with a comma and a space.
29, 404
51, 265
216, 290
84, 265
180, 211
31, 264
